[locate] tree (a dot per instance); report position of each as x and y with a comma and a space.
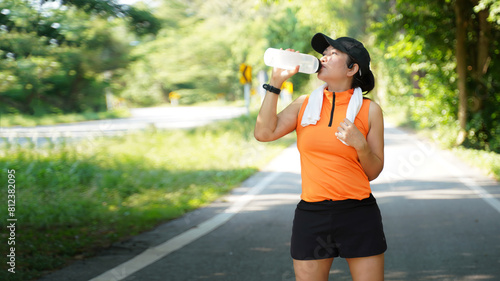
140, 21
53, 59
461, 58
450, 59
199, 53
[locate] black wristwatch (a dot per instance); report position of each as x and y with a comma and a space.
271, 89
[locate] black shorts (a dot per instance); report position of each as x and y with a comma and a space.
347, 228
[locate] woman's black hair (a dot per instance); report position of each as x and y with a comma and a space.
364, 82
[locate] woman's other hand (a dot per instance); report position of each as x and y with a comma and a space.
350, 134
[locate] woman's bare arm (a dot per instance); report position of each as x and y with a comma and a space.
370, 150
371, 155
271, 126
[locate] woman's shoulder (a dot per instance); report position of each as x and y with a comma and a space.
375, 113
302, 98
299, 102
372, 104
294, 108
375, 108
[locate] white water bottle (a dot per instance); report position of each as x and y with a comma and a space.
289, 60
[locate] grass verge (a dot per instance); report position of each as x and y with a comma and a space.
75, 198
488, 162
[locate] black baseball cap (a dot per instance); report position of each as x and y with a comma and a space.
351, 47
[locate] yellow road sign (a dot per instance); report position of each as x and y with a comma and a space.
245, 73
288, 86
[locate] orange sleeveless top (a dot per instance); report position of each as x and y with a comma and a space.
331, 170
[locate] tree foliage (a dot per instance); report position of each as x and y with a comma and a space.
419, 39
199, 53
52, 59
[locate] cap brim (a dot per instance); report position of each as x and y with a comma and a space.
320, 42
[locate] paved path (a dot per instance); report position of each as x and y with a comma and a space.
441, 218
142, 118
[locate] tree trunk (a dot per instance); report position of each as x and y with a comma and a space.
461, 57
483, 58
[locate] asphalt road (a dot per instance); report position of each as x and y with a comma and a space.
441, 219
141, 118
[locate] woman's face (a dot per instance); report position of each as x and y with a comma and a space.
334, 65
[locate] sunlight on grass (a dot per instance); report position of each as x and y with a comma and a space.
489, 162
78, 197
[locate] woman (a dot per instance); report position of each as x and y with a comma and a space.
338, 215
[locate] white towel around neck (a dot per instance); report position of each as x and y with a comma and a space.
313, 109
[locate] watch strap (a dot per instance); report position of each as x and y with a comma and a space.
271, 89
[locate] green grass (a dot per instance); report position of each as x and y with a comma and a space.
76, 198
489, 162
10, 120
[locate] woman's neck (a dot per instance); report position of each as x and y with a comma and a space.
338, 87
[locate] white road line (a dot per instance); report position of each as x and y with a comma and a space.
154, 254
471, 184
